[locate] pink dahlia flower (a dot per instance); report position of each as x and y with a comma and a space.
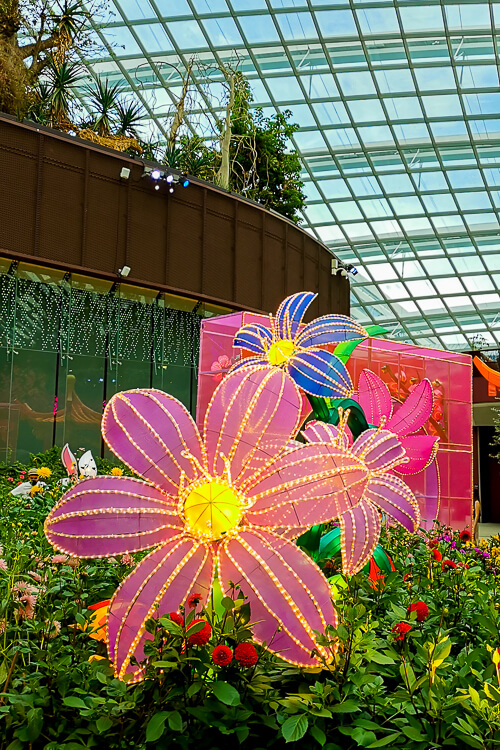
209, 500
377, 451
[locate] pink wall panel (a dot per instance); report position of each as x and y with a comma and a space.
401, 367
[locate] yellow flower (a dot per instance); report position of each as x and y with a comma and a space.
116, 472
35, 490
44, 472
96, 657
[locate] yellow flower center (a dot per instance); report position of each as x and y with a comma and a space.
212, 509
280, 352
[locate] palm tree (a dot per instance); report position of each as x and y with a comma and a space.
104, 99
129, 116
59, 88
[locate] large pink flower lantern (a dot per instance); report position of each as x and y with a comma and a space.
212, 500
379, 451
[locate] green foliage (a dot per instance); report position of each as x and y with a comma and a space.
436, 687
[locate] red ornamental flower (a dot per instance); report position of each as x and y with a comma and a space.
433, 543
421, 609
437, 555
177, 618
448, 564
202, 637
222, 656
400, 630
194, 600
407, 577
245, 654
465, 536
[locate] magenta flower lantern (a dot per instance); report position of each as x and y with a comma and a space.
404, 420
224, 501
378, 451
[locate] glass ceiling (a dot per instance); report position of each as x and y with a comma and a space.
398, 103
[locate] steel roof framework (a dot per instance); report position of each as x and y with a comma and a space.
398, 103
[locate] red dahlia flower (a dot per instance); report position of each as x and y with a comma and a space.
421, 609
194, 600
437, 555
245, 654
465, 536
222, 656
202, 637
433, 543
177, 618
448, 564
400, 630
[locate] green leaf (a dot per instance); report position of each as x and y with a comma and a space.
383, 741
376, 330
492, 691
363, 737
73, 702
295, 727
35, 724
15, 745
3, 672
380, 658
413, 734
175, 721
318, 734
345, 707
227, 603
156, 726
165, 664
103, 723
344, 350
192, 629
226, 693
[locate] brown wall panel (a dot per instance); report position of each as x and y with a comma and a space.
19, 189
63, 201
185, 246
248, 264
61, 212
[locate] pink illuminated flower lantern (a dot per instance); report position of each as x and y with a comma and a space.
378, 451
406, 420
212, 501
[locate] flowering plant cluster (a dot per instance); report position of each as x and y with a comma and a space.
418, 640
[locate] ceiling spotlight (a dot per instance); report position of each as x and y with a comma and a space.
157, 187
344, 272
171, 190
124, 271
183, 181
352, 270
170, 178
155, 174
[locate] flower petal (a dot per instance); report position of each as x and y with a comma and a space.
414, 411
360, 532
160, 584
420, 450
330, 329
107, 515
374, 398
249, 362
394, 497
254, 337
311, 484
320, 432
149, 431
252, 415
320, 373
290, 314
289, 596
379, 449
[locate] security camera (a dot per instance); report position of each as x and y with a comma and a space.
124, 271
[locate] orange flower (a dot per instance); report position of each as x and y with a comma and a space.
437, 555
